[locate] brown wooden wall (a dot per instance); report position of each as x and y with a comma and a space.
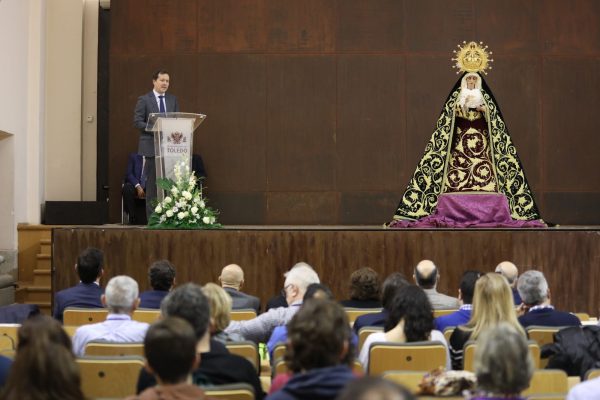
569, 258
318, 110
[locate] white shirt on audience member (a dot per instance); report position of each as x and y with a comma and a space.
363, 357
588, 390
118, 328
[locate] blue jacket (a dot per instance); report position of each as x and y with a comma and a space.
86, 295
457, 318
152, 298
548, 317
375, 319
316, 384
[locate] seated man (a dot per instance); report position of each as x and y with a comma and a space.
319, 352
232, 280
509, 270
465, 296
121, 299
217, 366
87, 292
162, 279
426, 276
260, 328
170, 349
537, 308
364, 289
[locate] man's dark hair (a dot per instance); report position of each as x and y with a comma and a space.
162, 275
317, 335
170, 348
467, 285
391, 286
374, 387
426, 281
412, 305
188, 302
159, 72
317, 290
364, 284
89, 264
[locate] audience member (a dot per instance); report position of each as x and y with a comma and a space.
313, 291
220, 313
232, 280
391, 286
575, 350
538, 310
509, 270
364, 289
217, 366
121, 299
319, 352
503, 363
426, 276
260, 328
492, 304
410, 320
44, 366
5, 364
134, 187
374, 388
170, 349
162, 279
588, 390
465, 296
87, 292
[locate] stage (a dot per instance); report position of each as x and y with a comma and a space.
569, 256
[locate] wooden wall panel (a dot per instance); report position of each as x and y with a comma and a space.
301, 123
360, 208
302, 207
567, 257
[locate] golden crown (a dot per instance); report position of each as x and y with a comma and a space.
472, 57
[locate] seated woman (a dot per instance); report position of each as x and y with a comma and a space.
503, 364
492, 304
220, 313
44, 365
410, 320
364, 289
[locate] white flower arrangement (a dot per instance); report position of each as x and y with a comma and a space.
184, 207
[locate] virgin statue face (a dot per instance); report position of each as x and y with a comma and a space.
471, 82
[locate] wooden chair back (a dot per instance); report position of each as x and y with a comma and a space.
548, 382
105, 377
70, 329
9, 331
439, 313
470, 348
448, 332
147, 315
582, 316
76, 316
408, 379
279, 351
246, 349
114, 349
354, 313
237, 391
542, 335
415, 356
243, 314
364, 332
592, 374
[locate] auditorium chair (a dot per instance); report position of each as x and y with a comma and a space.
243, 314
408, 379
7, 344
448, 332
542, 335
354, 313
235, 391
583, 317
280, 367
414, 356
471, 346
70, 330
109, 377
547, 382
10, 331
364, 332
76, 316
440, 313
278, 351
246, 349
101, 348
147, 315
592, 374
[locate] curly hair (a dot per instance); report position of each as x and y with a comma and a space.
318, 334
412, 305
162, 275
364, 284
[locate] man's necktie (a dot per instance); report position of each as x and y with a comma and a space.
162, 108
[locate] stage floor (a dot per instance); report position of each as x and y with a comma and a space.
569, 256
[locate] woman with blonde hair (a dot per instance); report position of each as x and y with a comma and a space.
220, 313
492, 304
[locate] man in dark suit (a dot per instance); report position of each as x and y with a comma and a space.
134, 187
162, 280
232, 280
155, 101
537, 308
88, 292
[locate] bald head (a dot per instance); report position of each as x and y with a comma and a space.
426, 274
509, 271
232, 276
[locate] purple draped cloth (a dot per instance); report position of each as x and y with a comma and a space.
462, 210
